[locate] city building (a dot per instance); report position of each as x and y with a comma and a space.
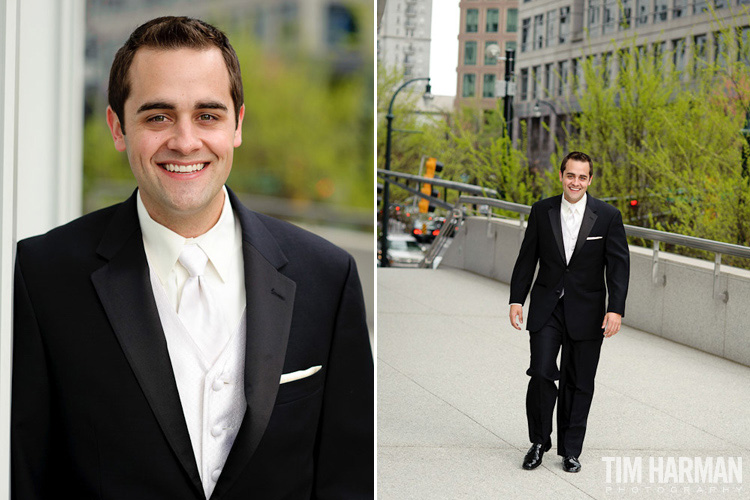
483, 23
555, 35
404, 37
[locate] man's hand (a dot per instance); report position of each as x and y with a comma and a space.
516, 311
611, 324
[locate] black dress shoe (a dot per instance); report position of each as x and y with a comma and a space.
571, 464
533, 457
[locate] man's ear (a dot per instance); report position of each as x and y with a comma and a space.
118, 136
238, 130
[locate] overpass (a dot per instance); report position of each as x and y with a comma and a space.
673, 384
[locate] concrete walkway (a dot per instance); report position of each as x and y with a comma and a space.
451, 391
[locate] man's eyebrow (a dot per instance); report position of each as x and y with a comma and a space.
155, 105
211, 105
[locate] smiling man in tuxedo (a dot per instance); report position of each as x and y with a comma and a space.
577, 241
179, 345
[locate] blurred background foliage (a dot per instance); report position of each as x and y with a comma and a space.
307, 150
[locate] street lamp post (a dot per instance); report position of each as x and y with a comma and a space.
386, 202
506, 89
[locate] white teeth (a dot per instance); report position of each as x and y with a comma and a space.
184, 168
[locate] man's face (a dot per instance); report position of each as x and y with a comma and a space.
181, 134
575, 180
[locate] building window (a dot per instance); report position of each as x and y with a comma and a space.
524, 84
562, 70
625, 15
470, 53
699, 46
512, 24
678, 54
720, 48
535, 82
659, 49
488, 86
680, 8
510, 46
538, 31
564, 25
525, 31
720, 4
550, 31
606, 60
493, 21
594, 20
468, 87
549, 80
641, 8
700, 6
472, 20
743, 42
489, 60
609, 16
660, 11
576, 74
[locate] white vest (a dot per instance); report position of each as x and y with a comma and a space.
212, 397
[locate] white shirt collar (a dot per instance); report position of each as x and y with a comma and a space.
579, 206
163, 246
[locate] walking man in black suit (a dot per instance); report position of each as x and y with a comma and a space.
578, 241
178, 345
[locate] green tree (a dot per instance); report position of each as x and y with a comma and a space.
668, 138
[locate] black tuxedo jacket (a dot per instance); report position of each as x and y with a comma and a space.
95, 410
601, 250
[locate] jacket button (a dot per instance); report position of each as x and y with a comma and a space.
217, 385
557, 292
216, 431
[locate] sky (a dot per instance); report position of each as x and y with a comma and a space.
444, 46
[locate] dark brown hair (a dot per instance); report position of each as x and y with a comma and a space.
578, 156
166, 33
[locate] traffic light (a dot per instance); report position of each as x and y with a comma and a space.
432, 167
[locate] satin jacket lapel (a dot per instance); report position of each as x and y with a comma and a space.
270, 304
124, 288
554, 219
589, 218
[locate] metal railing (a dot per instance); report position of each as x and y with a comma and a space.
458, 213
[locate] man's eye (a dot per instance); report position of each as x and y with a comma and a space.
158, 118
206, 117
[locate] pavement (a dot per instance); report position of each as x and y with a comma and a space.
451, 387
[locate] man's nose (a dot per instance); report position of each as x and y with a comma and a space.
185, 138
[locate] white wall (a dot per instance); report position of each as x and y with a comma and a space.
41, 104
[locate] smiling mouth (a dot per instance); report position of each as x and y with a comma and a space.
183, 169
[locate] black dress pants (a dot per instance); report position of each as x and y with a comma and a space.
576, 388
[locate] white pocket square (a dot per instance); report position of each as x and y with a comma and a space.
291, 377
594, 238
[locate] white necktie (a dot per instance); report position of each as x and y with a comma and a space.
198, 310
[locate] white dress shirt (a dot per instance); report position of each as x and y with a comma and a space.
225, 270
571, 228
211, 392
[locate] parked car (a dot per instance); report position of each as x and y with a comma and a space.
404, 250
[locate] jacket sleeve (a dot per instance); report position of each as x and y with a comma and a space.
617, 262
528, 256
30, 407
345, 450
